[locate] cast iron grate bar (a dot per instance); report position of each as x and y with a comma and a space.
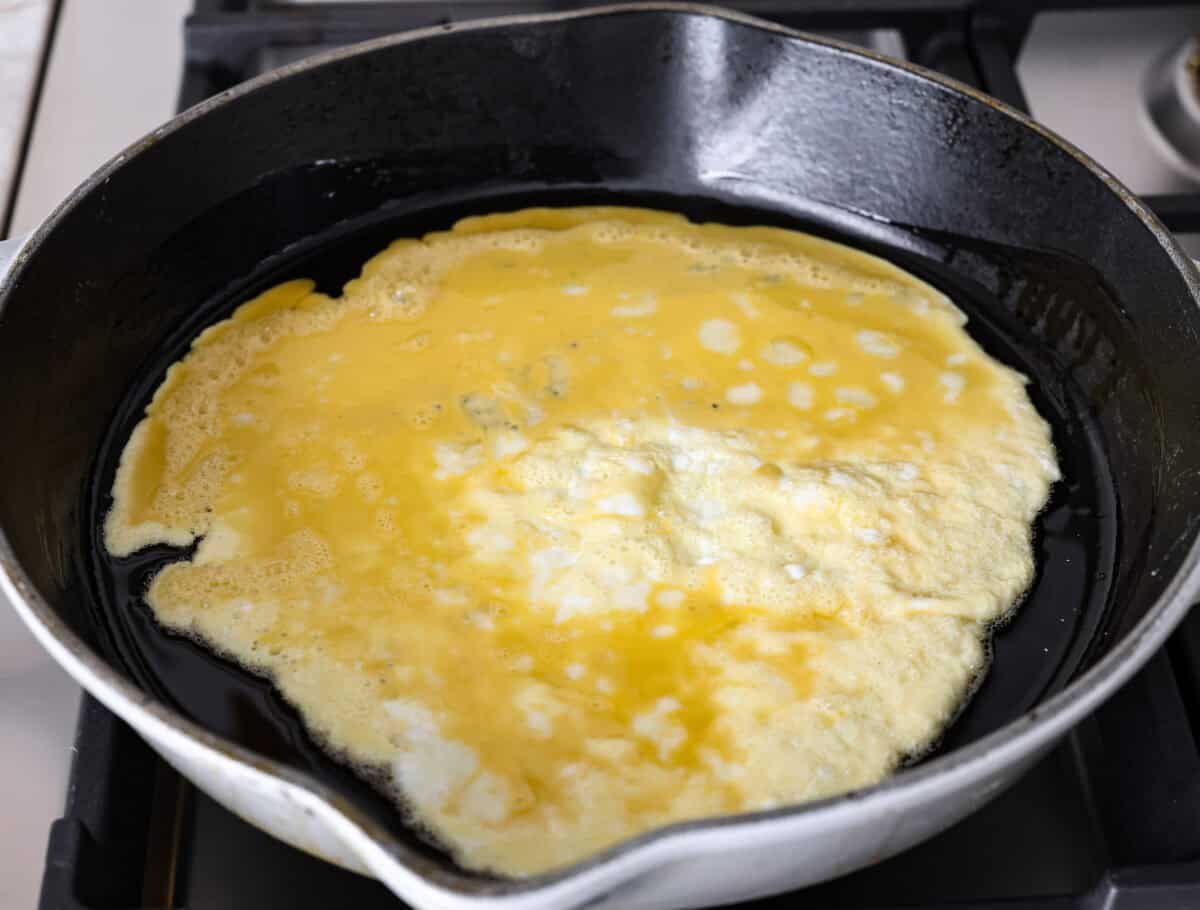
996, 66
1180, 212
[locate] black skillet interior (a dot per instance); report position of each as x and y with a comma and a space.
310, 174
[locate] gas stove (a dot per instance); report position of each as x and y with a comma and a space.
1110, 819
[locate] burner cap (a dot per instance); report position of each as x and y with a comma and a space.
1171, 98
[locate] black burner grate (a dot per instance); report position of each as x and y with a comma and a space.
1108, 821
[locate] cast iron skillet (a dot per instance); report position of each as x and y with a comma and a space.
309, 170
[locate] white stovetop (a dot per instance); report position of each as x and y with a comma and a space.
22, 31
114, 74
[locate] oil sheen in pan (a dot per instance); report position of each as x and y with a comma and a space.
1034, 653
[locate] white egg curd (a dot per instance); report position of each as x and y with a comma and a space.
578, 522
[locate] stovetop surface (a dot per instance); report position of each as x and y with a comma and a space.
1110, 819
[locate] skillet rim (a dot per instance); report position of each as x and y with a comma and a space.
1003, 747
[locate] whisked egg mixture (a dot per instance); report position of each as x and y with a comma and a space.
577, 522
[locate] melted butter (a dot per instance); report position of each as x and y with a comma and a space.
582, 521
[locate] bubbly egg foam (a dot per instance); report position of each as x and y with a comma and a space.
578, 522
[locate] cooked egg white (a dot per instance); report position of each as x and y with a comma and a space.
579, 522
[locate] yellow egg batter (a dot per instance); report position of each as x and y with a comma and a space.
583, 521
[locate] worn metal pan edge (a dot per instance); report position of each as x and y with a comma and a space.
358, 843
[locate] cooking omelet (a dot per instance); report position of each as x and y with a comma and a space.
578, 522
